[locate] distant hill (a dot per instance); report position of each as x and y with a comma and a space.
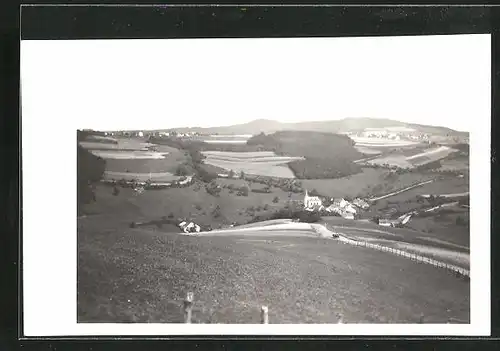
336, 126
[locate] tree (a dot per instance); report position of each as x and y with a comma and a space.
242, 175
276, 200
90, 169
181, 171
231, 174
116, 191
216, 213
243, 191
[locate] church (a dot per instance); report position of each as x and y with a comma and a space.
311, 201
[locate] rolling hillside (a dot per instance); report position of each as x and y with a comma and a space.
131, 275
335, 126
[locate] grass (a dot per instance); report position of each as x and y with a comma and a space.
452, 239
367, 183
382, 143
154, 176
127, 275
169, 163
127, 155
192, 202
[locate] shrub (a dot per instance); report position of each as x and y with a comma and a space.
460, 221
198, 207
132, 225
314, 192
90, 169
182, 170
243, 191
276, 200
216, 213
261, 191
171, 215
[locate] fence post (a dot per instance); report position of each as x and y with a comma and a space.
264, 316
188, 305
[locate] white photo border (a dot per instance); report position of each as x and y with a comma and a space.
50, 220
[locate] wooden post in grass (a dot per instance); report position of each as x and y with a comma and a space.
188, 305
264, 316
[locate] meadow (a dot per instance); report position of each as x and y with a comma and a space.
263, 163
369, 182
192, 202
153, 176
137, 275
131, 158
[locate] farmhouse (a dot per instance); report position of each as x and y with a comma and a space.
189, 227
361, 203
311, 201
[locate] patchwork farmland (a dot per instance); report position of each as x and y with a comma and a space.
256, 163
136, 264
135, 159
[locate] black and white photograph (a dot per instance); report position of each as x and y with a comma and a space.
263, 181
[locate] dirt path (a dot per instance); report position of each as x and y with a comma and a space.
401, 191
441, 257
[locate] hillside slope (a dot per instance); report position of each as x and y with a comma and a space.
127, 275
333, 126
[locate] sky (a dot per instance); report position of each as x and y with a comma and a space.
160, 84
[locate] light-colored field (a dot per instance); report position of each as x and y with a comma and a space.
122, 144
419, 159
391, 160
381, 143
125, 155
96, 145
240, 155
256, 163
430, 155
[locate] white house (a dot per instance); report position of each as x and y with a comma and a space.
312, 201
361, 203
350, 208
340, 203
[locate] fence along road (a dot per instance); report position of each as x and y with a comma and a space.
323, 231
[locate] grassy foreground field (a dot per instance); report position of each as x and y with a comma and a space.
127, 275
